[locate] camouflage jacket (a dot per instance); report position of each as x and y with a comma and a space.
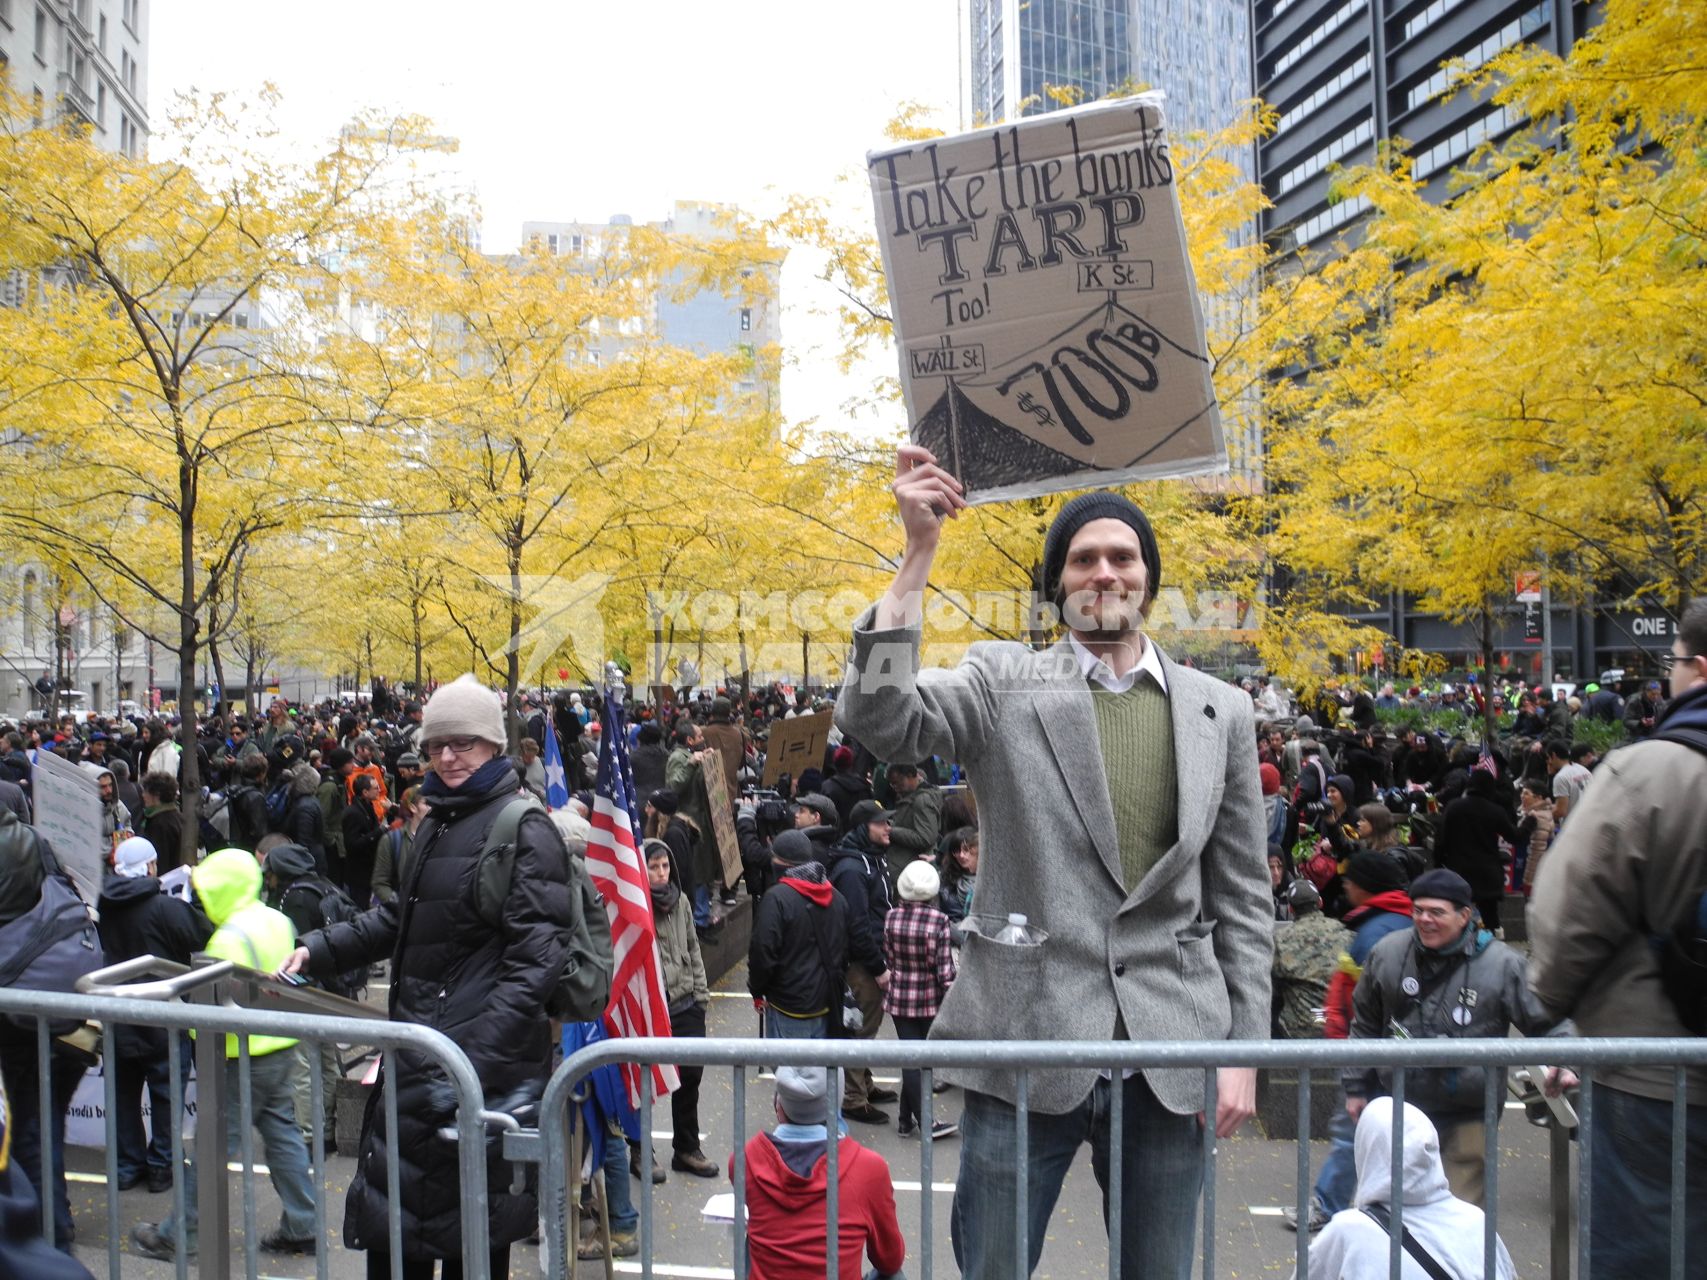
1305, 955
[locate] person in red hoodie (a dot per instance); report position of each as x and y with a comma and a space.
1374, 883
787, 1184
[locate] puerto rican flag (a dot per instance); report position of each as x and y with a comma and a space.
556, 779
637, 1004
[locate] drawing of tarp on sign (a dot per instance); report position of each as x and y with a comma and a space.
1050, 332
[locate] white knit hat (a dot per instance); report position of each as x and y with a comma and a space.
464, 708
132, 857
919, 882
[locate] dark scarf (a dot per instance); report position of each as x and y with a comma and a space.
496, 773
664, 898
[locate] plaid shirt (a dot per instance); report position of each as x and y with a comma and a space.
921, 961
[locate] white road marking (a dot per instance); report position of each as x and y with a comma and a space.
935, 1186
687, 1273
1266, 1211
100, 1179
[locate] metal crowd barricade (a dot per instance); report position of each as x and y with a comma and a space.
225, 998
548, 1145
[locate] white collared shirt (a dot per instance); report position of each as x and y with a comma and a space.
1094, 668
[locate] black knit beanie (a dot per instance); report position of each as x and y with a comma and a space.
1100, 504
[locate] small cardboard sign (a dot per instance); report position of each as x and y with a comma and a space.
795, 745
1049, 328
67, 810
722, 817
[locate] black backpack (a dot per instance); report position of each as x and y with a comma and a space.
51, 945
582, 990
335, 907
1682, 949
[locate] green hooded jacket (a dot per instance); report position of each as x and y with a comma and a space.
249, 932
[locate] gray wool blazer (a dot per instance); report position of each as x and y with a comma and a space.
1184, 956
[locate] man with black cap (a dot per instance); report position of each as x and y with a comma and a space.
1445, 978
798, 957
1120, 811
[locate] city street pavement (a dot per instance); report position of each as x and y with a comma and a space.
1255, 1179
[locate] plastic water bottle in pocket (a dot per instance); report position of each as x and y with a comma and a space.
1017, 933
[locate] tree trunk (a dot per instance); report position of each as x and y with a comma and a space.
189, 771
415, 622
513, 657
224, 699
1490, 722
251, 695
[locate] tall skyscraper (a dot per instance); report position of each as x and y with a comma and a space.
1348, 74
1027, 56
84, 60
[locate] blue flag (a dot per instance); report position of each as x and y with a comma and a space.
556, 780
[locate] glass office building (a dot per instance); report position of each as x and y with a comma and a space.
1029, 56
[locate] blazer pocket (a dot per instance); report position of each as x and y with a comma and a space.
1001, 989
1196, 930
1200, 972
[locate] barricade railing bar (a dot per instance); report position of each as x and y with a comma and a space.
215, 1020
549, 1144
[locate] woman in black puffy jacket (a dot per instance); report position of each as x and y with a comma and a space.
483, 983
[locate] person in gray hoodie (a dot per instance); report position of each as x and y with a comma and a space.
1356, 1246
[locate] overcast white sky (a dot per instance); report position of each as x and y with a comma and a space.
584, 108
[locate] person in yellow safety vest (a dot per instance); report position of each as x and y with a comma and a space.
251, 934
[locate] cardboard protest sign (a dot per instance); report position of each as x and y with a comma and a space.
722, 817
1049, 329
66, 804
795, 745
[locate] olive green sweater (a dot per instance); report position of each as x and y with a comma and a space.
1136, 732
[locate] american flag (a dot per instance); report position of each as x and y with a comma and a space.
637, 1005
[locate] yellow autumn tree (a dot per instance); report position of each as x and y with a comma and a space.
1514, 377
545, 430
164, 404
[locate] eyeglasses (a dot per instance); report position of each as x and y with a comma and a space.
456, 746
1670, 660
1434, 913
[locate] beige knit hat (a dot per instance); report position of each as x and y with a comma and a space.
464, 708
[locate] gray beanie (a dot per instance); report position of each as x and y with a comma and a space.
804, 1094
464, 708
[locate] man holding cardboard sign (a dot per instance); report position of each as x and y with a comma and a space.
1121, 813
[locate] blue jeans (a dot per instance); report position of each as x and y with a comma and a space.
272, 1077
138, 1150
619, 1196
701, 906
1630, 1185
1161, 1176
1337, 1181
781, 1027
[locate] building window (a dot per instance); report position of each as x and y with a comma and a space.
1336, 20
1324, 93
6, 12
101, 104
36, 101
41, 35
1519, 28
551, 243
746, 319
575, 245
103, 35
1338, 149
130, 15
